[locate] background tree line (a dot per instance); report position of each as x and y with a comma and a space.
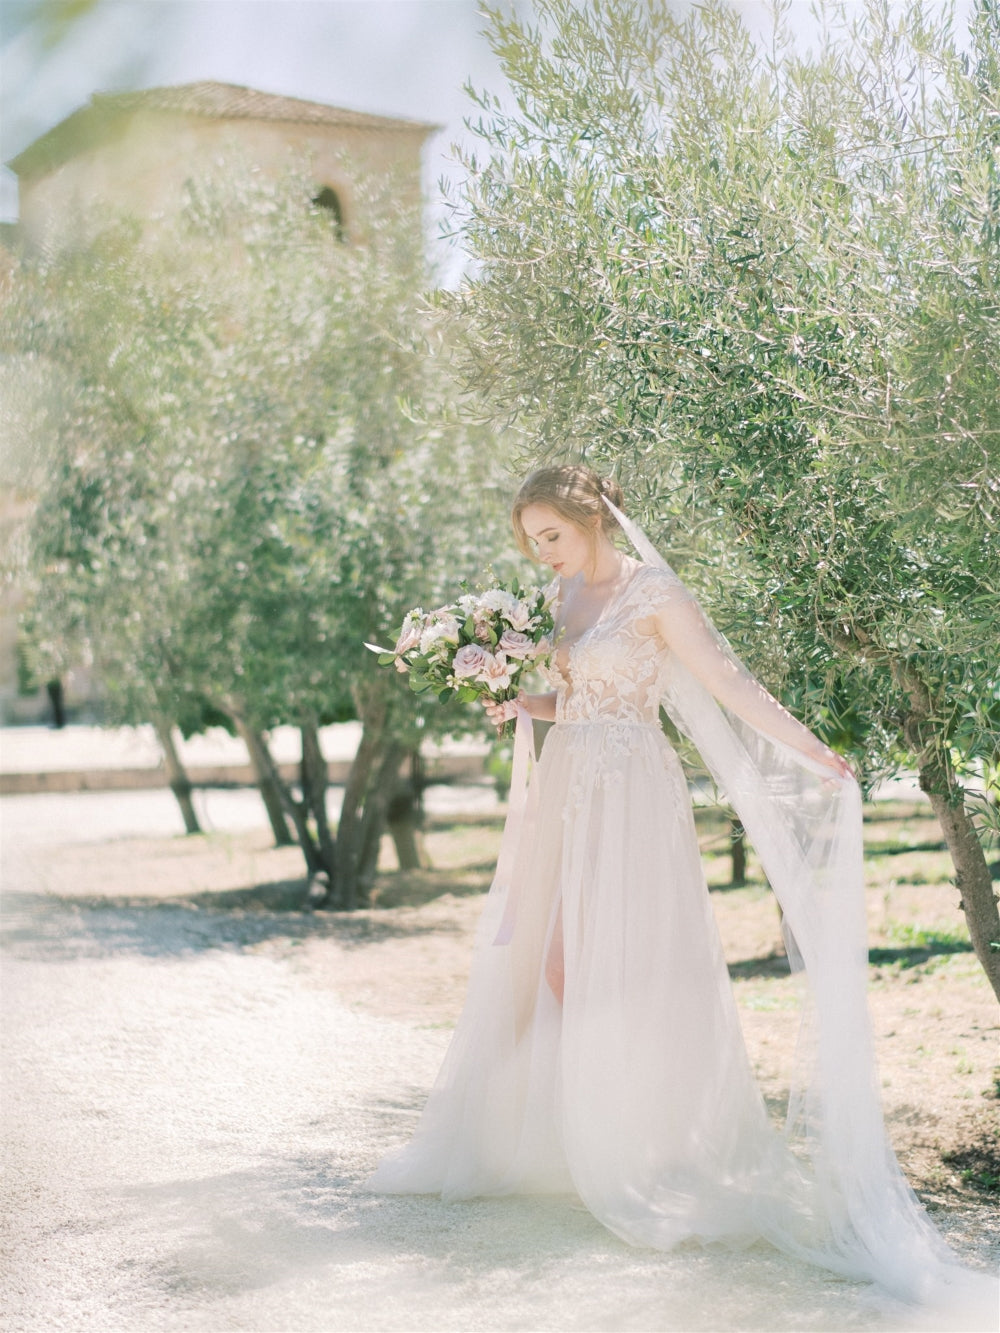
242, 439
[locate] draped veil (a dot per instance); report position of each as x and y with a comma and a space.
805, 824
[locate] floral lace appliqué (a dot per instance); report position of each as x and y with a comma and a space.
615, 673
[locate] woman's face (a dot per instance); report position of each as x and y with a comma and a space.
558, 543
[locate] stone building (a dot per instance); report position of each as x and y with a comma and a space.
135, 151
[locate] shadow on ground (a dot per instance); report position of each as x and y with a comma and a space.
46, 926
936, 946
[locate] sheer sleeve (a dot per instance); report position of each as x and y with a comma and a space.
696, 643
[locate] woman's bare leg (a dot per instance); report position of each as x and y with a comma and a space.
555, 973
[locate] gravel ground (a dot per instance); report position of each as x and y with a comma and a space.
193, 1099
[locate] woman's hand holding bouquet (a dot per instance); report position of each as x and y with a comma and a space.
476, 649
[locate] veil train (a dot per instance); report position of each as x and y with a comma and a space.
806, 827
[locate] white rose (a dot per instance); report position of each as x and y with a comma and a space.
443, 629
447, 621
498, 599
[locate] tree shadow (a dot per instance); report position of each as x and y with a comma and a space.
903, 848
772, 965
978, 1163
913, 955
416, 888
42, 926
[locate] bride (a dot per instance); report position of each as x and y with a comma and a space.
600, 1052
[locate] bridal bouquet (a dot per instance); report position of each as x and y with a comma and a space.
478, 647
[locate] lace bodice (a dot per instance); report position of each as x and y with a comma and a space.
613, 672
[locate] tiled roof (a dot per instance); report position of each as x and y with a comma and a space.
92, 123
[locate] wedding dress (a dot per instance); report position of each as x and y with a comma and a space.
633, 1089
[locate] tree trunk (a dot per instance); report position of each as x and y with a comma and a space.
314, 785
947, 797
972, 873
350, 844
738, 852
403, 816
373, 818
370, 786
268, 779
180, 783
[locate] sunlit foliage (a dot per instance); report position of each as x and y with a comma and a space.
763, 287
250, 467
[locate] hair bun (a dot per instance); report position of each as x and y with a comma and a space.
611, 489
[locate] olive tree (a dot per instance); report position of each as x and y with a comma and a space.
243, 482
763, 286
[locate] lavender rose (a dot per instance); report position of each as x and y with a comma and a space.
469, 661
515, 644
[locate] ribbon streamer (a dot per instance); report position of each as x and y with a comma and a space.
523, 763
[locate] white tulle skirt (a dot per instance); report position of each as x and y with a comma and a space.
634, 1091
600, 1053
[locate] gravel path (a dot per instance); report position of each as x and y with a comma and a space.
190, 1109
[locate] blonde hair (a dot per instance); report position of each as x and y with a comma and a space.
576, 494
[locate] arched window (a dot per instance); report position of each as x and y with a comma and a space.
330, 200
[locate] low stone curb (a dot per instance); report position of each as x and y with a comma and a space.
442, 768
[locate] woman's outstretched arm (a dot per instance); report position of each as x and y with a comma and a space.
683, 628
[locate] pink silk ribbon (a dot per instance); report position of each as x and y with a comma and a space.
524, 759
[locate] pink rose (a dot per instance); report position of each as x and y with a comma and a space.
483, 631
495, 672
469, 661
515, 644
409, 637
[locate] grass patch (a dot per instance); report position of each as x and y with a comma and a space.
978, 1164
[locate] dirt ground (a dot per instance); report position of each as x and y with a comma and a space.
934, 1015
229, 901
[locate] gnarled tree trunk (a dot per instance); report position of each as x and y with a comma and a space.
738, 852
947, 797
373, 820
180, 783
404, 815
268, 778
341, 870
365, 770
972, 873
314, 785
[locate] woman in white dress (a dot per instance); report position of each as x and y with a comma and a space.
600, 1052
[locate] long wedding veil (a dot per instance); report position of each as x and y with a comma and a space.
806, 827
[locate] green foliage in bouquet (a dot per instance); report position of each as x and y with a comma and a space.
478, 647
